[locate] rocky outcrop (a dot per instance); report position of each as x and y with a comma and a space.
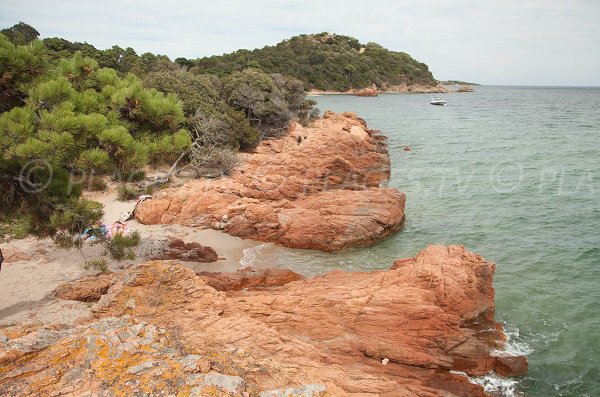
177, 249
87, 289
416, 88
465, 88
369, 91
386, 333
111, 356
316, 187
250, 278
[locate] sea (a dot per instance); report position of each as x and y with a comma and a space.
511, 173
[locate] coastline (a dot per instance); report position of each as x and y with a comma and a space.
166, 294
415, 89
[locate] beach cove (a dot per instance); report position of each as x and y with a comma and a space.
463, 316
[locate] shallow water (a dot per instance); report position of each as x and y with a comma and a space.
512, 173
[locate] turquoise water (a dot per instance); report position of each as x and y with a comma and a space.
512, 173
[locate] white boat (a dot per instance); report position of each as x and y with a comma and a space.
437, 101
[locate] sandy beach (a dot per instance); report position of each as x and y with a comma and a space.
35, 267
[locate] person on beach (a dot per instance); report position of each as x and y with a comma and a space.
1, 259
117, 228
97, 230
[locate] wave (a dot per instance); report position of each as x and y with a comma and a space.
497, 385
515, 345
250, 254
493, 384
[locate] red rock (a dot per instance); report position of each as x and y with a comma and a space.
427, 315
177, 249
322, 193
407, 149
87, 289
511, 365
250, 278
367, 92
110, 357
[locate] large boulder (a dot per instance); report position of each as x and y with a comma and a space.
316, 187
86, 289
177, 249
427, 316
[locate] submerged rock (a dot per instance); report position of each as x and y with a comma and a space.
320, 192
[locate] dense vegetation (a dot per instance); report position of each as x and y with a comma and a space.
324, 61
70, 113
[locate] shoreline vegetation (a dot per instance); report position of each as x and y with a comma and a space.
232, 153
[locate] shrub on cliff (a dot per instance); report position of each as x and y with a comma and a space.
205, 108
71, 119
268, 101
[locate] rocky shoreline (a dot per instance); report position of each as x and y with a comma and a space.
162, 328
317, 187
402, 89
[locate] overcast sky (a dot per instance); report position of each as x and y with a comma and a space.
527, 42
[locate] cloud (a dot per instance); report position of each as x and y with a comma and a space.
505, 42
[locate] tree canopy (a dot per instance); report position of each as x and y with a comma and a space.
324, 61
69, 111
73, 118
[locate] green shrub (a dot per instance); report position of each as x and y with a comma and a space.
50, 94
20, 65
18, 226
120, 247
126, 192
95, 160
75, 215
96, 184
70, 219
97, 264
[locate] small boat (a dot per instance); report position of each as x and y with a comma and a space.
437, 101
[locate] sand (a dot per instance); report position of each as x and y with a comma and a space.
27, 285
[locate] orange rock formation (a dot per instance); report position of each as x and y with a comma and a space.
316, 188
162, 329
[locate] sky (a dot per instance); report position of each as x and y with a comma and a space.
506, 42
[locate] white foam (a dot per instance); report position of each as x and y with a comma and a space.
515, 346
493, 384
250, 254
497, 385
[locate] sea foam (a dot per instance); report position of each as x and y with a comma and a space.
250, 254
